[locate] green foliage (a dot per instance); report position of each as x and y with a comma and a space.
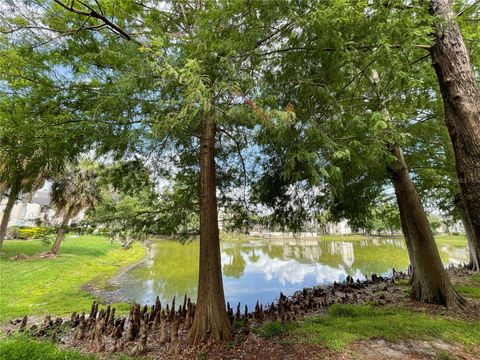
36, 232
76, 188
39, 286
319, 125
39, 129
201, 355
435, 222
385, 217
42, 233
129, 214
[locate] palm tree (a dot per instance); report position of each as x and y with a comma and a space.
76, 189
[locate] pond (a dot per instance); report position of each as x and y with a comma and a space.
259, 269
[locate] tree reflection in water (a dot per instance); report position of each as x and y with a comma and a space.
259, 269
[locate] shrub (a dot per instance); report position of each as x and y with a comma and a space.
31, 233
35, 232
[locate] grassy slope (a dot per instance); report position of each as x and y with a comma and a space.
344, 324
53, 286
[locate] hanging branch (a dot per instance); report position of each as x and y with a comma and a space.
95, 14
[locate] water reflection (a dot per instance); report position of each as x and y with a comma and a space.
259, 269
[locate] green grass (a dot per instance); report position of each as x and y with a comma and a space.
470, 291
471, 288
356, 237
22, 348
54, 286
344, 324
451, 239
443, 238
275, 328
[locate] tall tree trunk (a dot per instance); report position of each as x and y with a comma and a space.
61, 232
461, 101
211, 318
472, 248
430, 283
12, 197
406, 234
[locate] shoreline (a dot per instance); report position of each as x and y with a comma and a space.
110, 292
260, 329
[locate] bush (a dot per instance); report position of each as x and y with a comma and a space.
35, 232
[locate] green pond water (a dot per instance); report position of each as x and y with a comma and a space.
260, 269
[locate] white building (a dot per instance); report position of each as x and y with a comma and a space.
29, 210
34, 209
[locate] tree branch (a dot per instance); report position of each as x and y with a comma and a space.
463, 11
94, 14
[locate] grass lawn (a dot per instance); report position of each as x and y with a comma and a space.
472, 289
345, 324
440, 239
53, 286
23, 348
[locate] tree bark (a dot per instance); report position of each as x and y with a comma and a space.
430, 282
461, 101
474, 252
2, 191
211, 318
12, 197
61, 232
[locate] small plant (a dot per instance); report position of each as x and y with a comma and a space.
271, 329
240, 338
402, 282
443, 355
237, 324
202, 355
